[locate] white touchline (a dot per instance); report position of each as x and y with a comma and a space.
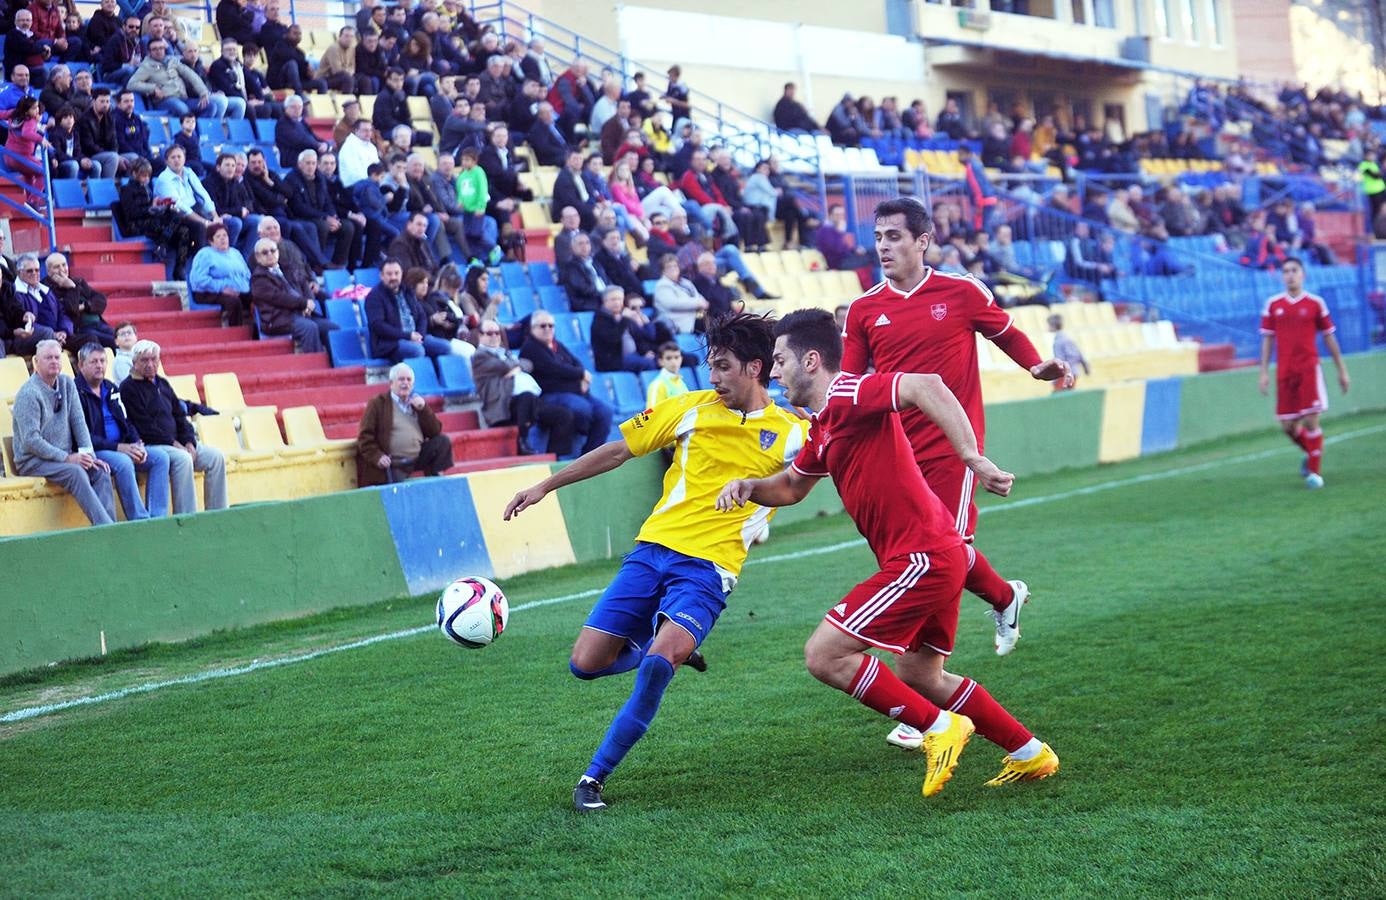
31, 712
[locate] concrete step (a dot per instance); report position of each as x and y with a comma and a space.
81, 233
247, 366
343, 420
314, 396
125, 306
175, 319
220, 357
499, 462
482, 443
302, 379
174, 336
86, 256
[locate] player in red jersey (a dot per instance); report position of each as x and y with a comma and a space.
1292, 323
922, 320
909, 607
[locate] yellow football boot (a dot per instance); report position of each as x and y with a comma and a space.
1046, 763
941, 752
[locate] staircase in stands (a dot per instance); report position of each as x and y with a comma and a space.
194, 342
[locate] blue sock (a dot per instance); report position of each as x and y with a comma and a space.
627, 659
634, 718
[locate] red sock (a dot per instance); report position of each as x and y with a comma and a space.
1313, 445
983, 581
878, 687
990, 717
1300, 437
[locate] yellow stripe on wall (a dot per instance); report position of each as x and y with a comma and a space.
536, 539
1123, 412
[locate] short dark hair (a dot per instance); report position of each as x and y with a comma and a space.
1291, 259
917, 218
669, 347
222, 156
375, 169
812, 329
394, 70
254, 151
746, 336
392, 261
468, 153
100, 92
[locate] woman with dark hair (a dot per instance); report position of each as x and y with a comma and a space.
25, 138
787, 208
139, 213
416, 59
220, 276
477, 299
441, 323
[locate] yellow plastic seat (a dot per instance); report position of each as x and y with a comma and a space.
222, 391
534, 214
322, 106
418, 108
303, 428
771, 264
367, 102
260, 432
13, 374
546, 175
185, 387
792, 262
220, 432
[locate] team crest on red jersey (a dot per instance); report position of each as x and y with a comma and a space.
940, 311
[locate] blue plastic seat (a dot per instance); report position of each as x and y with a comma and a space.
348, 348
343, 312
521, 303
336, 279
553, 298
583, 352
584, 325
261, 331
456, 372
513, 275
647, 378
566, 328
541, 275
67, 193
241, 131
692, 378
264, 130
425, 375
690, 344
629, 396
211, 130
369, 277
102, 192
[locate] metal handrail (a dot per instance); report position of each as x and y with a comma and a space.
46, 218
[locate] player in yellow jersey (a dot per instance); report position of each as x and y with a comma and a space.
672, 587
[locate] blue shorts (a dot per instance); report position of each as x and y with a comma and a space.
656, 582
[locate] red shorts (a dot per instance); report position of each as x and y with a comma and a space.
1300, 393
911, 603
953, 483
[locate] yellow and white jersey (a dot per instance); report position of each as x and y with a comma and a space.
712, 445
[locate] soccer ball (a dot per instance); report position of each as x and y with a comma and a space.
473, 612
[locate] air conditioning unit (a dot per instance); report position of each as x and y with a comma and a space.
977, 20
1136, 49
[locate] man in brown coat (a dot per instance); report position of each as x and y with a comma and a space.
400, 435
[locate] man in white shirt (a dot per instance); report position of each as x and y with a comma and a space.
358, 152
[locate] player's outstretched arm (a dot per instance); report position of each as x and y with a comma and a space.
931, 396
781, 489
1013, 342
1331, 342
603, 459
1263, 382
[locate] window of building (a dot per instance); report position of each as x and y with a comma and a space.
1164, 22
1080, 12
1215, 22
1190, 18
1104, 13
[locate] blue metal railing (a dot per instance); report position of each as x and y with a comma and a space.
26, 209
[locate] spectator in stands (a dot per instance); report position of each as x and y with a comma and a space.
50, 29
572, 98
569, 190
544, 138
26, 136
220, 276
144, 214
706, 279
1066, 349
1179, 215
232, 201
370, 59
523, 109
337, 67
676, 300
283, 308
103, 24
1085, 259
189, 139
240, 83
40, 315
614, 130
581, 278
168, 85
950, 121
271, 31
310, 201
122, 53
622, 339
57, 92
570, 225
291, 133
358, 153
845, 124
790, 114
838, 245
294, 264
395, 318
536, 65
1263, 249
17, 89
271, 198
125, 338
438, 318
392, 105
1119, 213
81, 91
184, 189
750, 220
458, 129
158, 416
97, 140
400, 435
412, 246
51, 439
370, 200
472, 200
116, 442
495, 84
615, 263
64, 152
509, 394
566, 383
704, 200
502, 170
476, 299
416, 59
447, 232
679, 240
83, 304
22, 47
345, 208
234, 21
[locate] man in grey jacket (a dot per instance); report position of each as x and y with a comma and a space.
168, 85
51, 439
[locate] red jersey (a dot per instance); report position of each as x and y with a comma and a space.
1296, 324
857, 439
929, 329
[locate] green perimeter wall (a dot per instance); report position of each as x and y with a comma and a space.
177, 578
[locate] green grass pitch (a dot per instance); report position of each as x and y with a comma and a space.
1203, 650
